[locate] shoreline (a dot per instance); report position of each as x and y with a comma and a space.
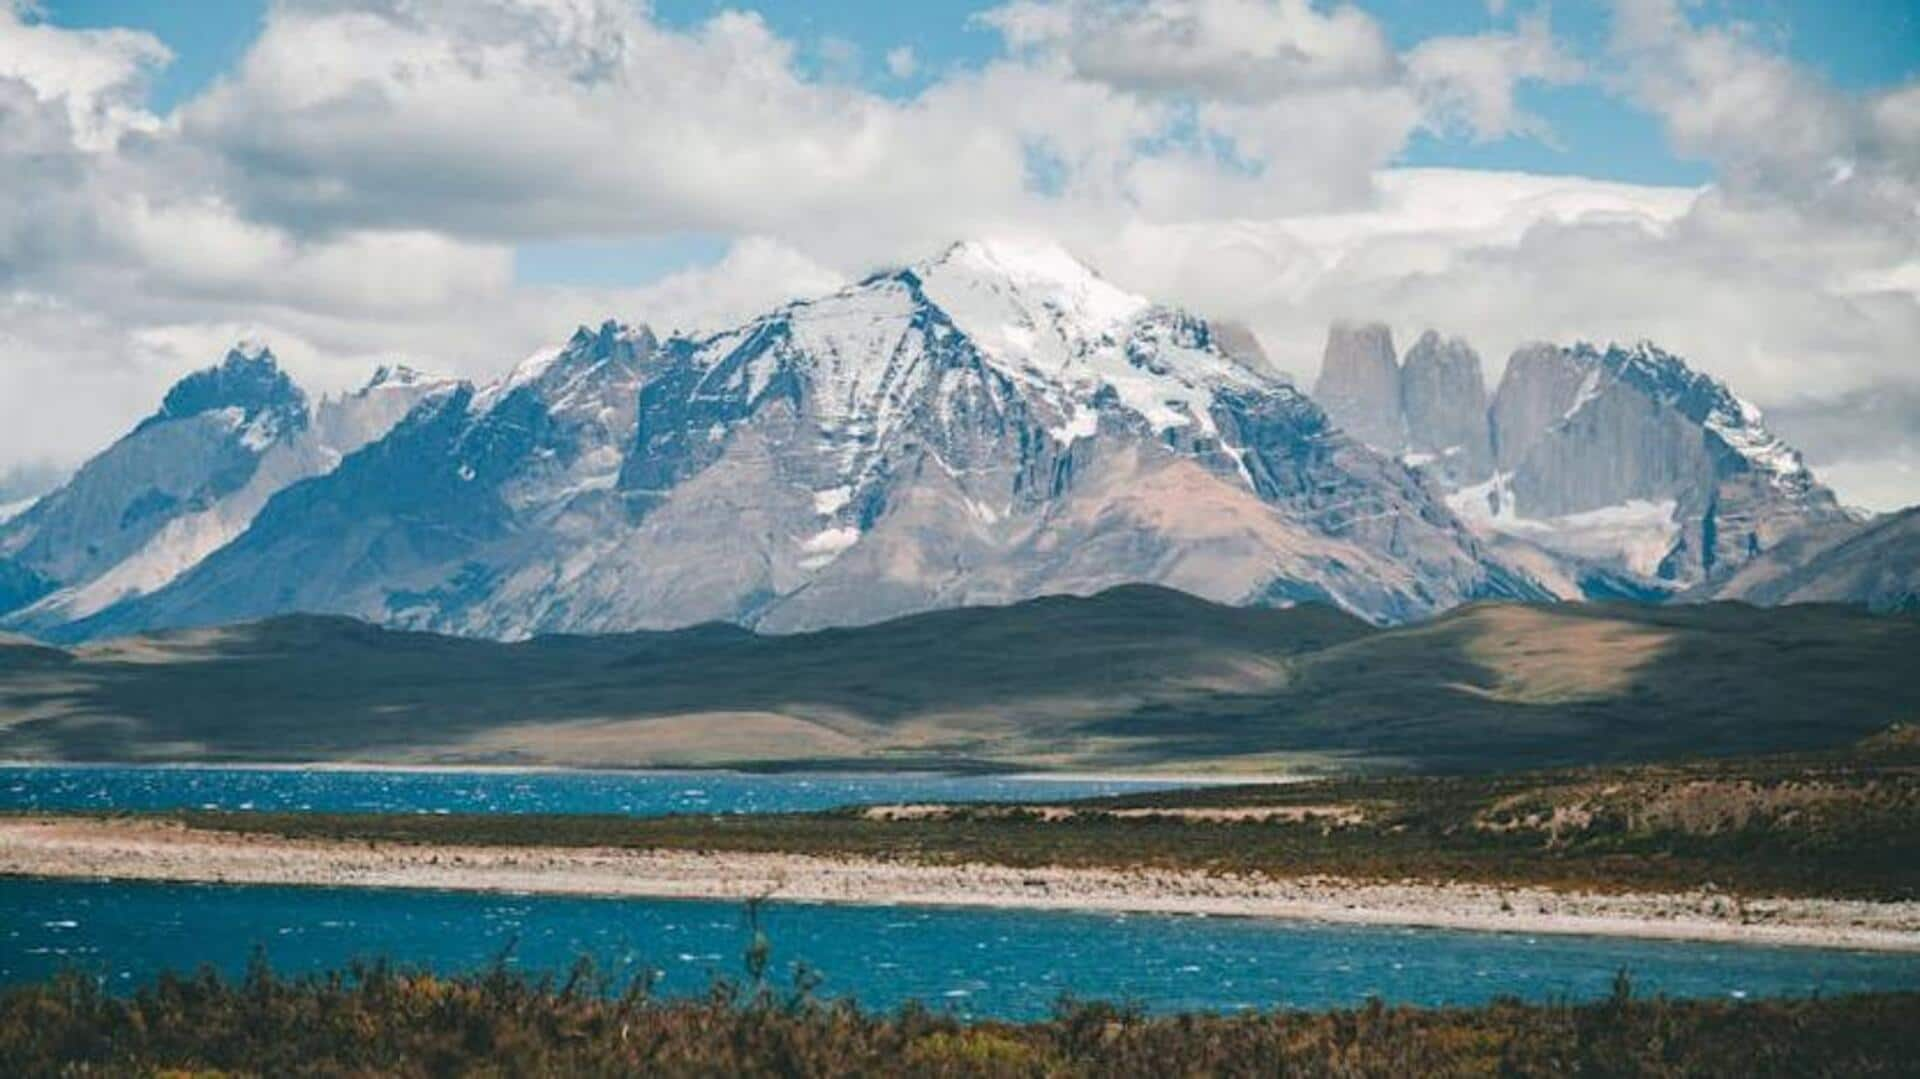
90, 848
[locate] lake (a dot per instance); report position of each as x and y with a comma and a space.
1001, 963
1011, 964
329, 790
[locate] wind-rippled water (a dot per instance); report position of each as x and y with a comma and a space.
137, 788
1002, 963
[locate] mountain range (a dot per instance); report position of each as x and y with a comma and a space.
990, 425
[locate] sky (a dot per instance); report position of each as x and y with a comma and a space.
457, 183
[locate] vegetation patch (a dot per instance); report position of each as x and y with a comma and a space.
1841, 825
378, 1020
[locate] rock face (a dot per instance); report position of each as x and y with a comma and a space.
994, 424
1606, 472
1540, 386
1443, 398
1874, 563
204, 443
1628, 453
186, 480
1237, 340
1432, 411
1359, 384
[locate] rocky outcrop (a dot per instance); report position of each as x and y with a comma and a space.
1432, 410
1238, 341
1538, 390
1873, 563
1359, 384
1591, 438
1443, 398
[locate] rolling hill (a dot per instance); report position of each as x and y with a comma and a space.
1135, 677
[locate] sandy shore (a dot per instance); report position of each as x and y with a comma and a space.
168, 851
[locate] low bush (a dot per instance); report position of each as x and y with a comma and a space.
377, 1020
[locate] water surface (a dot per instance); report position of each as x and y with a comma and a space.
1001, 963
150, 788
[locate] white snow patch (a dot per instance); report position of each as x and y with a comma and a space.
821, 548
263, 432
1083, 423
526, 371
829, 502
1637, 534
1589, 389
1750, 438
10, 510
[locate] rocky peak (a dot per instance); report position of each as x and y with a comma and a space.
1542, 385
1443, 396
395, 375
248, 379
1239, 342
1359, 384
593, 366
1609, 433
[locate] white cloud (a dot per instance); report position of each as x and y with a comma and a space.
353, 191
95, 75
901, 62
1470, 80
1229, 50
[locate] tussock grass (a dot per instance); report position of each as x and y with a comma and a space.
378, 1020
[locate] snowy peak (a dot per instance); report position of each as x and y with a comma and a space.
1033, 274
1049, 321
400, 376
248, 380
591, 367
1028, 304
1696, 395
1585, 433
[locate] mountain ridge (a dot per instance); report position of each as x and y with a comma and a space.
994, 423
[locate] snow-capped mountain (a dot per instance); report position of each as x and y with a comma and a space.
1622, 459
996, 423
182, 484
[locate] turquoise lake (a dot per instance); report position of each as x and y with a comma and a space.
28, 787
975, 962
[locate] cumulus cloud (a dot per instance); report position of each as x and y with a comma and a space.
95, 76
1469, 81
1229, 50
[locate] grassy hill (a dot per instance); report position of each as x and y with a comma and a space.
1137, 677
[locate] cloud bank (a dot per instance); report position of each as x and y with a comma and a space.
355, 188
